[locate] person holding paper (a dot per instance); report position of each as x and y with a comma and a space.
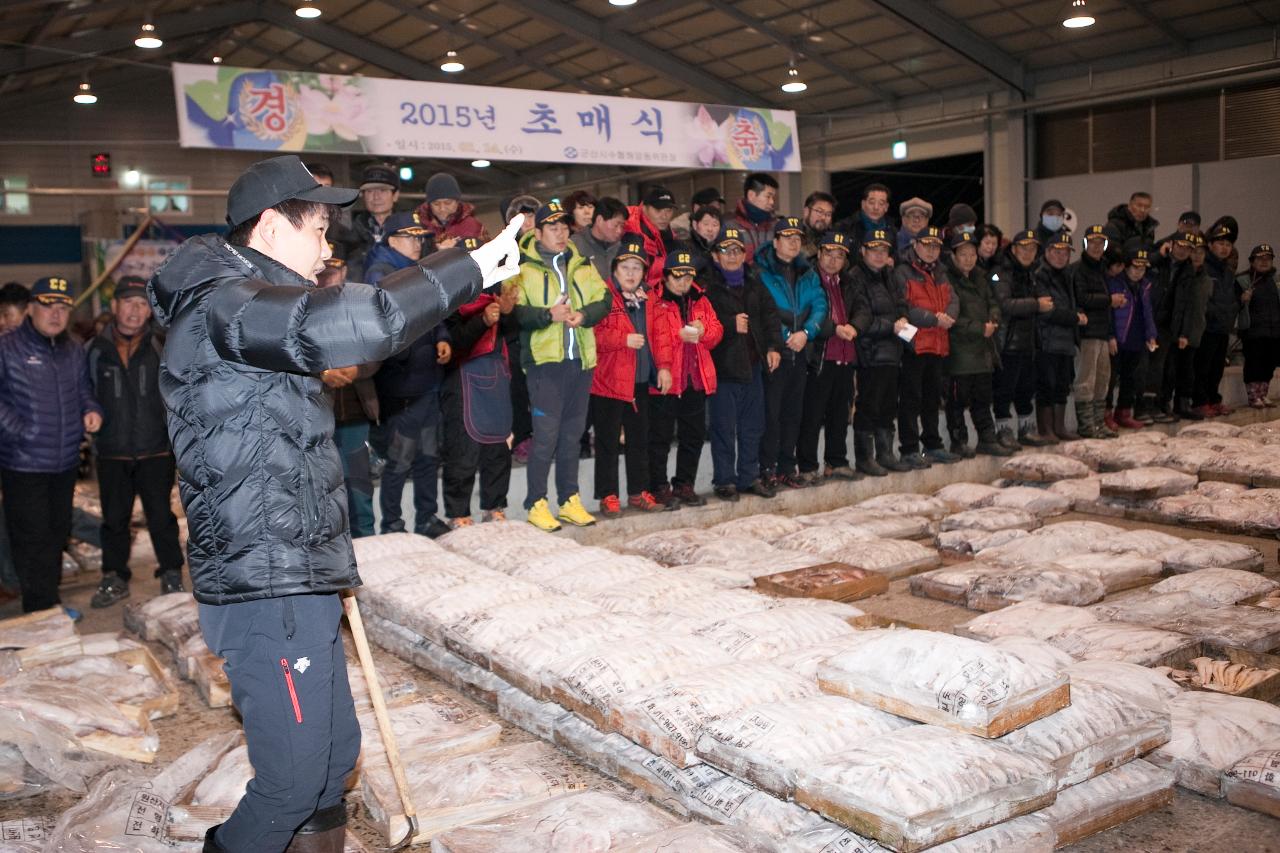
879, 315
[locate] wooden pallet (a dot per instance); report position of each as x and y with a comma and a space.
1093, 821
1251, 788
211, 681
133, 748
154, 708
831, 581
1013, 717
18, 632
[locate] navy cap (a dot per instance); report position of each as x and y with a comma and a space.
632, 247
1024, 237
469, 243
130, 286
1138, 256
787, 225
549, 214
877, 238
52, 290
1188, 237
834, 240
404, 224
963, 238
1221, 231
679, 262
1053, 202
1059, 239
269, 182
929, 235
730, 235
1095, 231
1262, 249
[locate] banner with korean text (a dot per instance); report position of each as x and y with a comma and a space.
257, 110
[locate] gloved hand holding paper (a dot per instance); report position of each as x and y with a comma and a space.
499, 259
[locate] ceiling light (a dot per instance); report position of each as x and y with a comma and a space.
217, 60
899, 149
147, 37
452, 64
1076, 16
622, 2
307, 10
481, 163
132, 178
793, 84
406, 174
84, 94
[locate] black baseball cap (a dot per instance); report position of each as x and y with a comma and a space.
1189, 216
130, 285
406, 223
706, 196
679, 262
835, 240
1023, 237
929, 235
1221, 231
549, 213
730, 235
963, 238
659, 198
787, 225
1262, 249
877, 239
1138, 256
52, 290
269, 182
380, 175
1059, 239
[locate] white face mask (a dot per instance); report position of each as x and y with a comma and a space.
968, 229
1053, 223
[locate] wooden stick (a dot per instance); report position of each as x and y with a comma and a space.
380, 713
106, 273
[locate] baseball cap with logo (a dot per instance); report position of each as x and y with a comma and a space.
549, 214
469, 243
1024, 237
680, 262
130, 286
834, 240
632, 248
1095, 232
403, 224
730, 235
659, 198
1262, 249
1196, 240
929, 235
877, 238
1221, 232
1187, 237
52, 290
1059, 239
270, 182
786, 226
1138, 256
963, 238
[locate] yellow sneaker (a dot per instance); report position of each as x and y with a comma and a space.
575, 513
540, 517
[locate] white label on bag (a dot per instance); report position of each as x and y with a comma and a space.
744, 732
976, 684
26, 829
146, 815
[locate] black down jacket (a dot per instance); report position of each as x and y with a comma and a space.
133, 414
251, 426
877, 305
1059, 329
1014, 288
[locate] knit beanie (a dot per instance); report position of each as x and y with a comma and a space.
442, 185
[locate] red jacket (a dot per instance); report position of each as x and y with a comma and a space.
927, 294
755, 234
669, 351
463, 223
638, 223
615, 375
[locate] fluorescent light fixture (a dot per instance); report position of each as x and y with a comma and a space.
132, 178
84, 94
147, 37
622, 2
406, 173
481, 163
899, 149
1077, 16
307, 10
793, 84
452, 64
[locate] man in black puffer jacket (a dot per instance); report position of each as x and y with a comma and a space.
1133, 220
1014, 382
878, 315
261, 480
1058, 331
1093, 367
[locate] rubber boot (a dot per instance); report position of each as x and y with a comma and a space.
1125, 419
1044, 426
1109, 419
884, 452
1060, 424
1183, 409
960, 443
989, 445
325, 832
1084, 420
210, 843
864, 449
1007, 433
913, 459
939, 456
1100, 424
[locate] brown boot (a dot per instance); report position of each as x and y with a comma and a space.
1044, 425
1060, 424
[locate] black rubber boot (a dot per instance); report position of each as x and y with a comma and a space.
325, 832
960, 443
884, 452
1183, 409
210, 843
989, 445
864, 446
913, 459
1060, 424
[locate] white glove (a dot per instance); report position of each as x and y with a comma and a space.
499, 259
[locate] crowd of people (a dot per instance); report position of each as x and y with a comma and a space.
629, 329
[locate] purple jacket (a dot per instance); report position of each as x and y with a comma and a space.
45, 392
1134, 322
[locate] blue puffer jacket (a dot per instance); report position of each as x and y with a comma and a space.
45, 393
801, 307
382, 260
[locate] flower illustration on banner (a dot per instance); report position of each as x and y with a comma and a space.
710, 139
336, 105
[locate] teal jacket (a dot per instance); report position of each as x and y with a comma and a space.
801, 307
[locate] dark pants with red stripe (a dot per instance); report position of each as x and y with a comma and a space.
288, 675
